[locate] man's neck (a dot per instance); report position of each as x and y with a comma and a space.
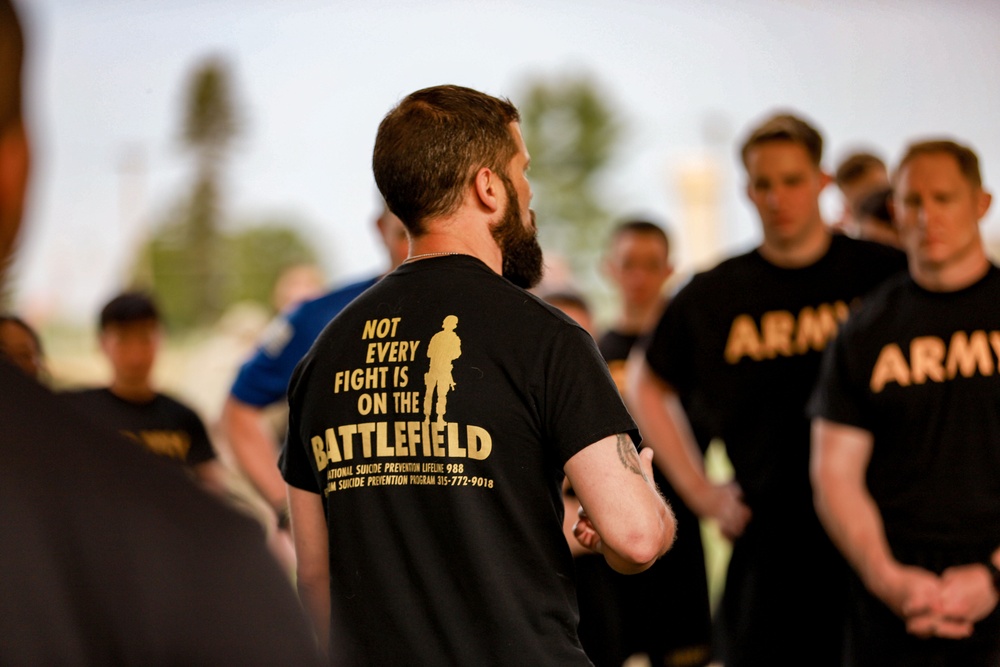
800, 253
445, 239
953, 277
638, 319
134, 393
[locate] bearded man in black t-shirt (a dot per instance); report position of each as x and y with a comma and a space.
741, 345
434, 537
906, 435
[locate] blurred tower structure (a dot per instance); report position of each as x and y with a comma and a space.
701, 180
699, 184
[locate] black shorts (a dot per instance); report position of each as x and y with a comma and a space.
785, 596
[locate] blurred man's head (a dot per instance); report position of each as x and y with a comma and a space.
14, 154
784, 179
130, 334
938, 201
858, 176
873, 218
20, 344
638, 262
574, 306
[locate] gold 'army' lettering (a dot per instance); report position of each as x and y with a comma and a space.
782, 333
931, 359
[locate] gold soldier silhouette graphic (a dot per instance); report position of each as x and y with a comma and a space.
444, 348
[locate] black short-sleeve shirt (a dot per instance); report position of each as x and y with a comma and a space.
742, 343
162, 425
919, 370
435, 415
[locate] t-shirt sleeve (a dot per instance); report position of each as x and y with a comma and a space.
670, 350
837, 396
263, 379
201, 449
293, 462
582, 404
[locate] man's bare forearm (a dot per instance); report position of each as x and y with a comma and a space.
255, 450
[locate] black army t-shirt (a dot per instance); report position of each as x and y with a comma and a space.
743, 342
918, 369
163, 425
435, 415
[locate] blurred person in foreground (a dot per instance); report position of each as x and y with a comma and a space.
22, 346
130, 333
906, 432
430, 531
262, 381
108, 554
740, 347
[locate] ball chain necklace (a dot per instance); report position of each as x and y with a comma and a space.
429, 254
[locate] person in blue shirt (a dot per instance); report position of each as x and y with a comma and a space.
263, 378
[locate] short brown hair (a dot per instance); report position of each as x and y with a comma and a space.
640, 226
785, 127
968, 162
11, 64
430, 146
855, 166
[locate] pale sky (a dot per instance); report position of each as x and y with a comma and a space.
315, 78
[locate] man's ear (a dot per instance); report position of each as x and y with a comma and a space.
487, 187
983, 203
890, 204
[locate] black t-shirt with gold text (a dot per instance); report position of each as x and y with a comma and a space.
435, 415
742, 343
919, 370
163, 425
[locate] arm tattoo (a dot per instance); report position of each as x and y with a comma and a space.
628, 456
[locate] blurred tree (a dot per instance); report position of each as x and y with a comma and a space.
571, 133
210, 126
184, 256
195, 267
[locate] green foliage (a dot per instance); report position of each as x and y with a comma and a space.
245, 265
571, 133
258, 255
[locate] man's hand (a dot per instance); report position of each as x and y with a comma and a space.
967, 593
586, 534
913, 594
947, 606
724, 504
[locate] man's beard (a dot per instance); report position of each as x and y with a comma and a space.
522, 255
